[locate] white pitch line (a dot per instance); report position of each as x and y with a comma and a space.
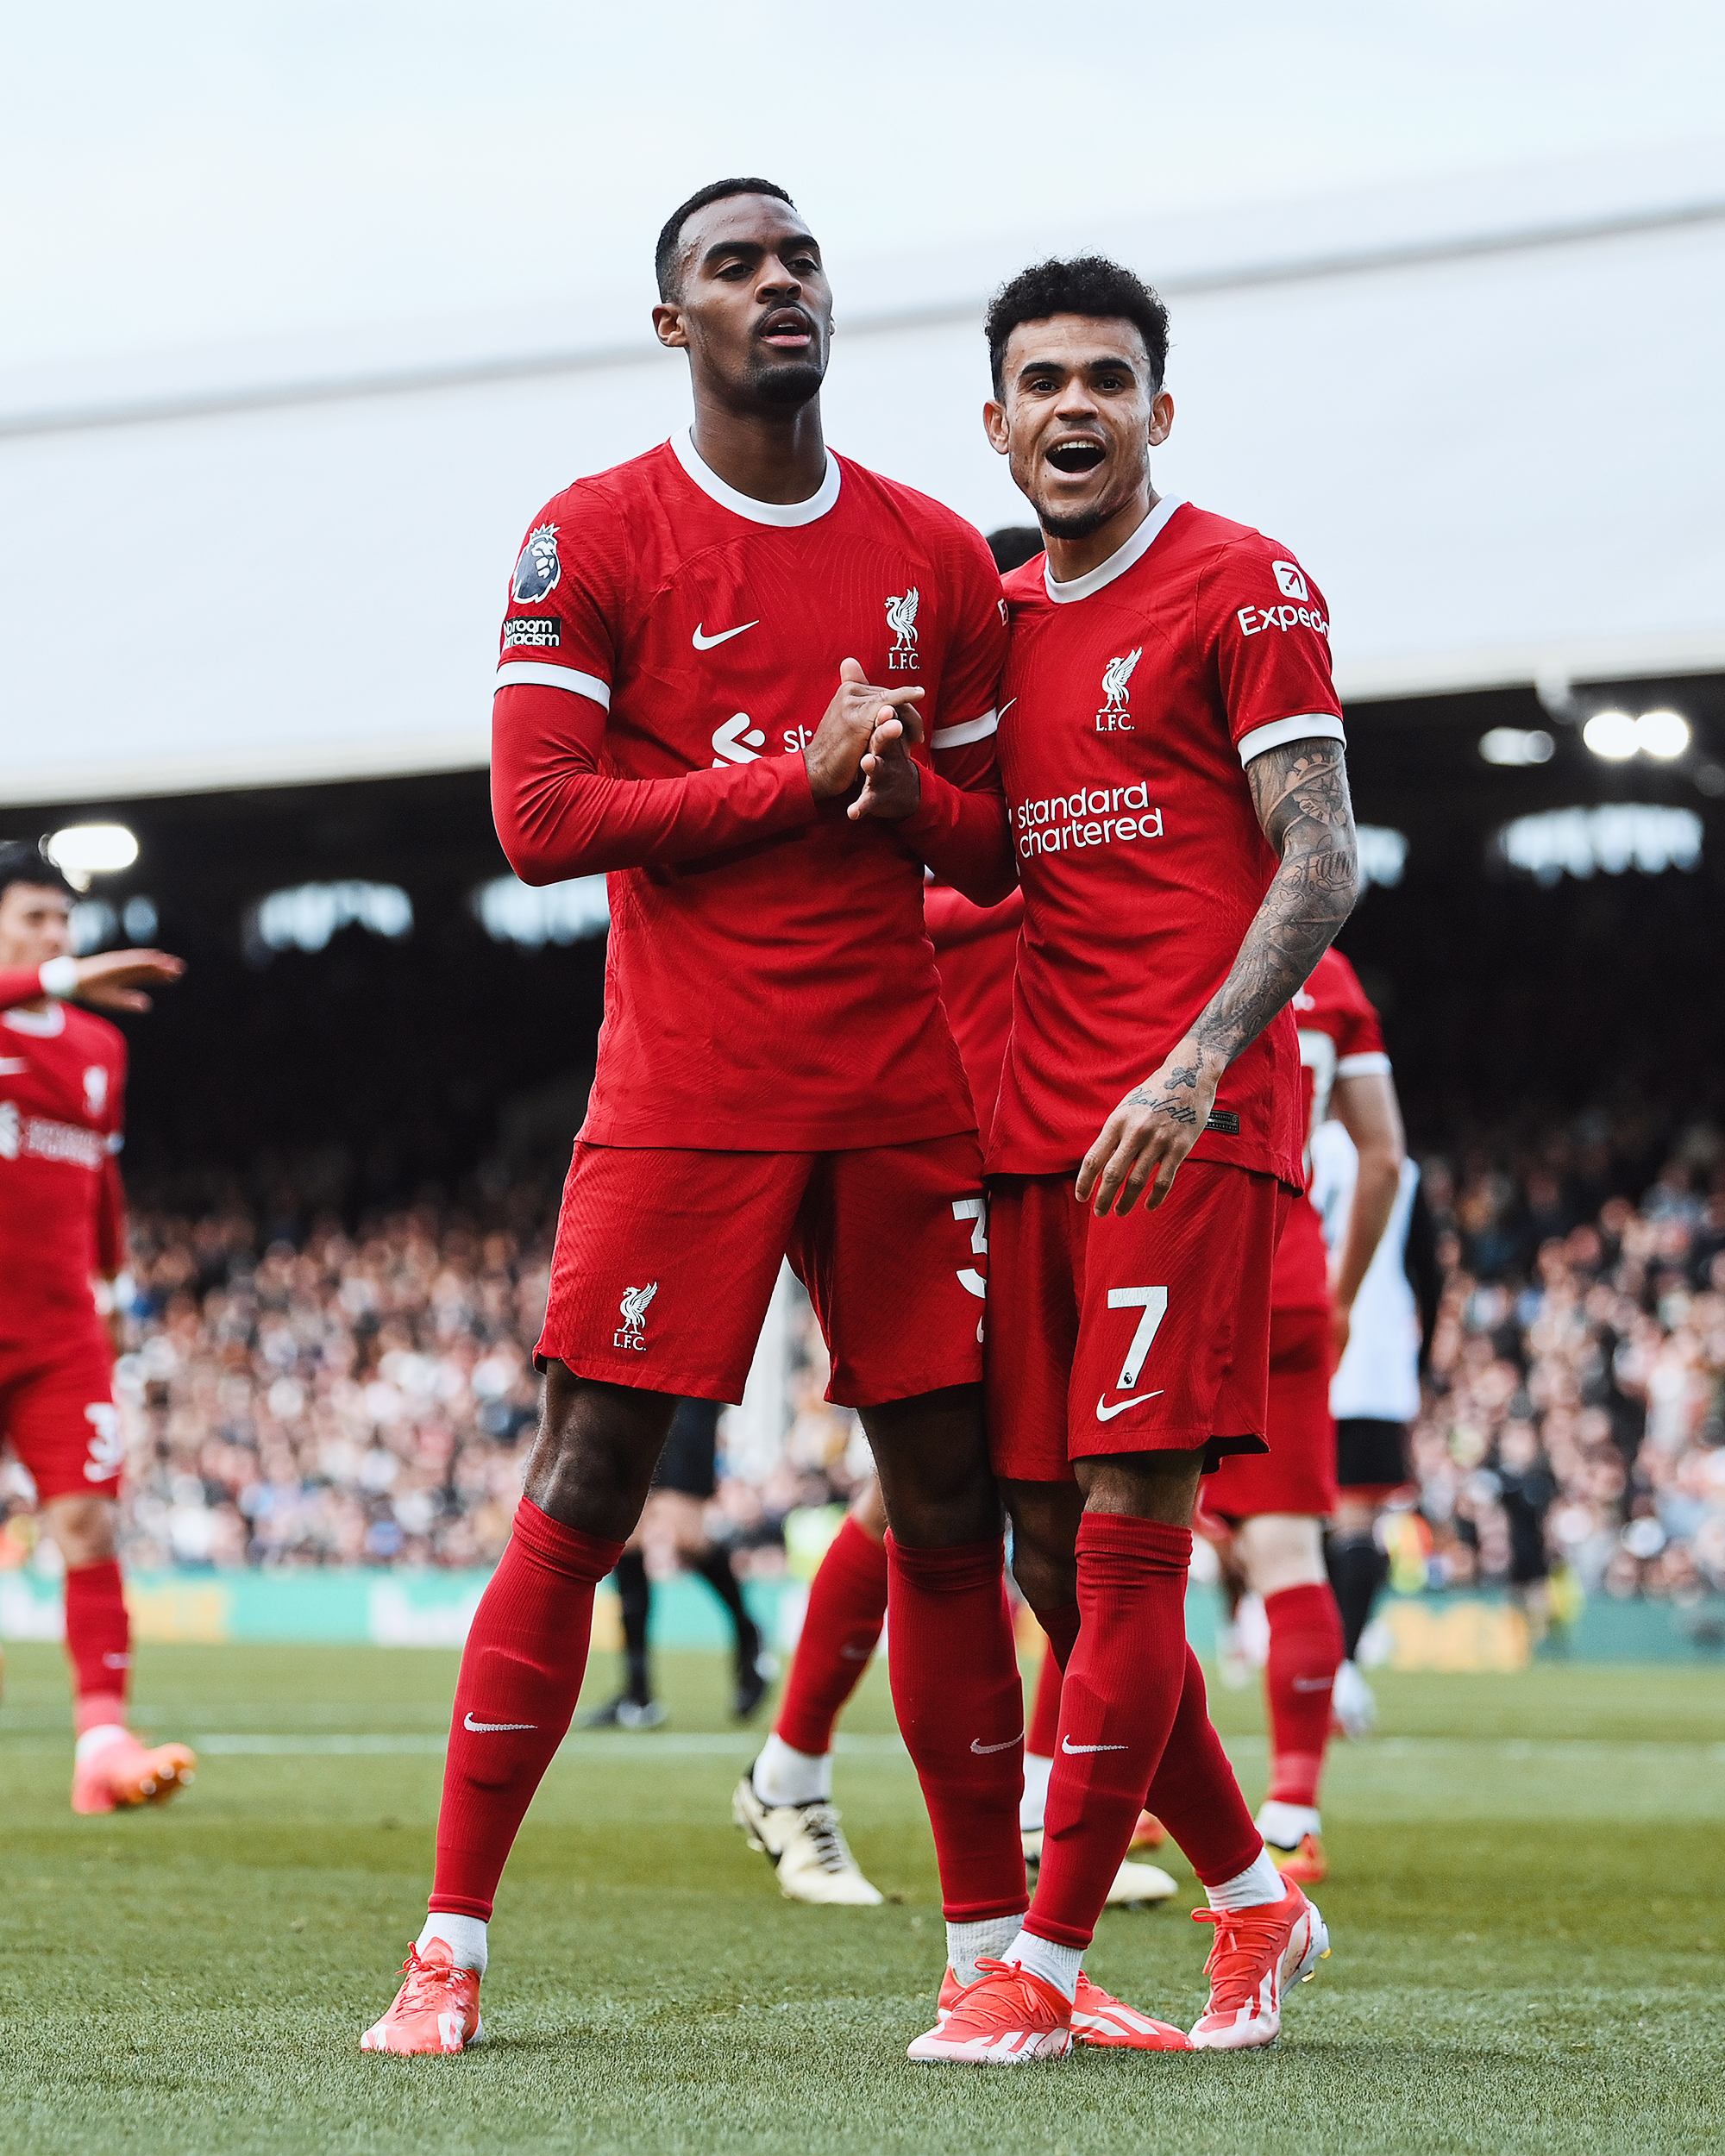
643, 1749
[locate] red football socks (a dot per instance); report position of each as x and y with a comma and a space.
960, 1704
1044, 1732
520, 1676
98, 1643
1121, 1695
1305, 1652
847, 1606
1196, 1794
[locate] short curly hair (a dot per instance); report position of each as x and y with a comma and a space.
1088, 285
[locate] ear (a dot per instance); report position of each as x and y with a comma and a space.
995, 426
668, 326
1161, 418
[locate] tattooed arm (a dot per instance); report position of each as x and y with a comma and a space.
1301, 794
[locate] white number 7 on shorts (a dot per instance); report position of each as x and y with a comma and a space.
1153, 1301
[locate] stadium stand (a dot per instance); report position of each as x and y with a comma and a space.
328, 1397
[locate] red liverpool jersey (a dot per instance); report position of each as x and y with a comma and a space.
975, 948
1132, 700
62, 1221
770, 985
1339, 1038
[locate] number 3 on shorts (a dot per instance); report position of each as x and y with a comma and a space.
1153, 1301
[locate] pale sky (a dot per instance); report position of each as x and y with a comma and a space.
190, 173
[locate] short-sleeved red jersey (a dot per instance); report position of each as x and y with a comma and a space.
62, 1100
1339, 1037
1132, 700
975, 948
770, 985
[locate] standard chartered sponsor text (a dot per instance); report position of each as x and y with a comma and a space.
1089, 816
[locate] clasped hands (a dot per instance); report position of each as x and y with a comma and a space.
866, 732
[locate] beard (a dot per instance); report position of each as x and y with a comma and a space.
1080, 525
789, 386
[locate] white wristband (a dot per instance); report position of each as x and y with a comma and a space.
59, 977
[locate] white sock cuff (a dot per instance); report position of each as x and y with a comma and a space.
1058, 1965
967, 1943
464, 1936
783, 1776
1284, 1824
98, 1739
1248, 1890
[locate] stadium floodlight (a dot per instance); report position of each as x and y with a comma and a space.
1516, 745
1382, 854
1662, 733
1613, 734
83, 850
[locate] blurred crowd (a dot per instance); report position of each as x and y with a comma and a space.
328, 1396
1574, 1426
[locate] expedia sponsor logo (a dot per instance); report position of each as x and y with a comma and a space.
1254, 620
1093, 816
538, 631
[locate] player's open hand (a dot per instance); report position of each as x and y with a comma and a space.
892, 785
835, 755
1140, 1147
115, 979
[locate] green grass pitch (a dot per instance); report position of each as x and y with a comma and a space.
1528, 1902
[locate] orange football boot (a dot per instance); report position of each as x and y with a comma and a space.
1149, 1833
437, 2010
124, 1773
1304, 1862
1258, 1951
1007, 2018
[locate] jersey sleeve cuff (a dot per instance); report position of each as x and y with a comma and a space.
1308, 726
969, 730
535, 674
1372, 1062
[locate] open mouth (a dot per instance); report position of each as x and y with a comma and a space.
788, 330
1076, 457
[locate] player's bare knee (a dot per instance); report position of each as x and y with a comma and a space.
1156, 1486
1281, 1549
593, 1459
1044, 1517
82, 1529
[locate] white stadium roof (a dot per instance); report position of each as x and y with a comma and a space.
1485, 413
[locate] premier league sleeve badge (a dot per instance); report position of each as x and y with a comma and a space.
538, 569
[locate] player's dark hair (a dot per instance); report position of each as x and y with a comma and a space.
1013, 545
1088, 285
665, 254
22, 861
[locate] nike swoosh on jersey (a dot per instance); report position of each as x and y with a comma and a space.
1106, 1415
706, 644
980, 1749
1067, 1745
467, 1722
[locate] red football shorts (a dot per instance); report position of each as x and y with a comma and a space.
1146, 1334
1298, 1473
665, 1262
57, 1413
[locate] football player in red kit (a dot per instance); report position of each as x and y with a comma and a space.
63, 1229
697, 649
1171, 743
1274, 1504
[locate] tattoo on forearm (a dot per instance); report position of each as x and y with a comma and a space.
1187, 1077
1301, 796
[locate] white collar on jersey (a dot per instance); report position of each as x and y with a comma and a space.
709, 482
43, 1024
1121, 560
